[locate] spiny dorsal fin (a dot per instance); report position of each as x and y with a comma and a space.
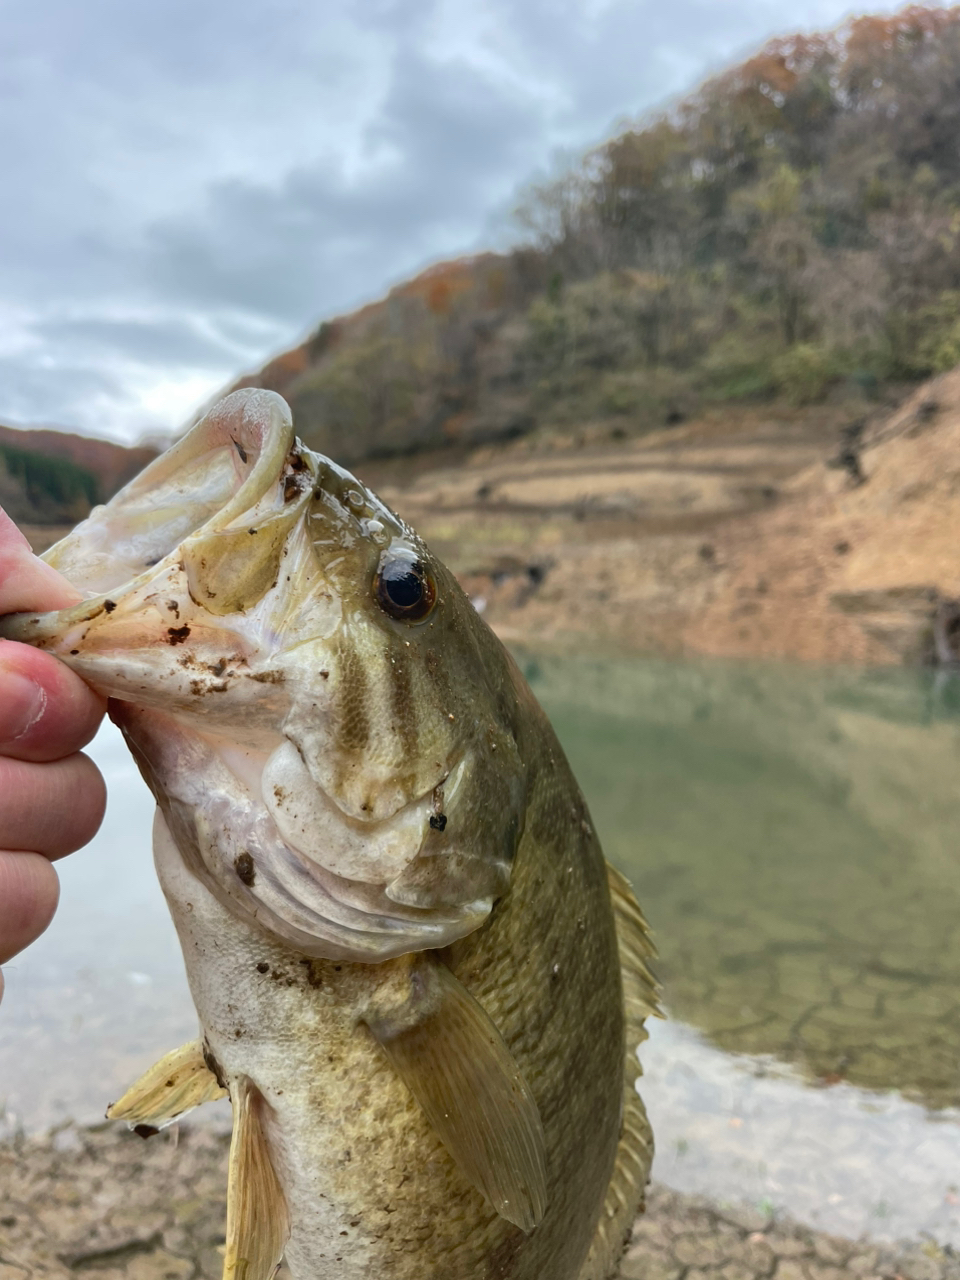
640, 988
180, 1081
258, 1222
453, 1060
625, 1192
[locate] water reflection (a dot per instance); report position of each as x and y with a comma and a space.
844, 1160
793, 835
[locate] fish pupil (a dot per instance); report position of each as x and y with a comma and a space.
404, 591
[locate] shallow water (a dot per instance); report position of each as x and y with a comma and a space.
792, 836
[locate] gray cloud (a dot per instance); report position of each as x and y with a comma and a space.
164, 342
194, 184
453, 147
62, 389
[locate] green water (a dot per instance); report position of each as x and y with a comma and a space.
794, 838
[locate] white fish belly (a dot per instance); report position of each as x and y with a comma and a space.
370, 1189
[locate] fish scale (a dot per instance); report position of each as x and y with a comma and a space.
415, 975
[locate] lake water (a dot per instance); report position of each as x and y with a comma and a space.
793, 838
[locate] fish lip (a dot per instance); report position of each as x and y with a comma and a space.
214, 670
262, 420
45, 629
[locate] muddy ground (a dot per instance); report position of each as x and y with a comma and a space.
105, 1204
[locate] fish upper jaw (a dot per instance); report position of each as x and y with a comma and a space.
229, 464
155, 649
192, 570
151, 643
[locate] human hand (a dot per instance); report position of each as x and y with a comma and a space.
52, 798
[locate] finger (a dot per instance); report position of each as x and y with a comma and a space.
46, 712
26, 583
29, 890
50, 808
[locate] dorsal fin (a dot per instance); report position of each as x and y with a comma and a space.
258, 1221
631, 1172
180, 1081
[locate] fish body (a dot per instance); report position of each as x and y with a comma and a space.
415, 975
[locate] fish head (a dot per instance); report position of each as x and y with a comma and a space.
257, 598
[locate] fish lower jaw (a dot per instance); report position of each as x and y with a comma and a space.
351, 922
280, 895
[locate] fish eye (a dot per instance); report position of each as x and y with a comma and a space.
405, 589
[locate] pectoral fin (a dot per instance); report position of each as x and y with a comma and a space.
258, 1222
453, 1060
176, 1084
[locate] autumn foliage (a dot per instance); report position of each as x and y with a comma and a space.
791, 230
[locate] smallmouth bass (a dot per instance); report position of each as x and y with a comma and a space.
416, 977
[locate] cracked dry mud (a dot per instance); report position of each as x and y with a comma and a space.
102, 1203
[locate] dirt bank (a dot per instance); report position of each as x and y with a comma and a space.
817, 536
593, 536
814, 534
856, 560
103, 1203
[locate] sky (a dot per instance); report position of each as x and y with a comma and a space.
192, 185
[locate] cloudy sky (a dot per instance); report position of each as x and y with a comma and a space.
192, 184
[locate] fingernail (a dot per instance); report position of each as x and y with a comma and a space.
22, 703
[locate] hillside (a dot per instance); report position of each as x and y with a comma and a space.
788, 235
858, 563
795, 534
54, 477
435, 363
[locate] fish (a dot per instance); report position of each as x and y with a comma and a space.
417, 979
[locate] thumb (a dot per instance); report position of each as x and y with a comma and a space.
26, 583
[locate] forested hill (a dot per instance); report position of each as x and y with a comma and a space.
55, 477
791, 230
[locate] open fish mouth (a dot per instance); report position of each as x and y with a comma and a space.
201, 530
219, 614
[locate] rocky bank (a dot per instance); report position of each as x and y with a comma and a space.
103, 1203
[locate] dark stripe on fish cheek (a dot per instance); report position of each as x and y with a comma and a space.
354, 695
404, 709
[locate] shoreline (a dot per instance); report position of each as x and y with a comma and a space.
101, 1202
